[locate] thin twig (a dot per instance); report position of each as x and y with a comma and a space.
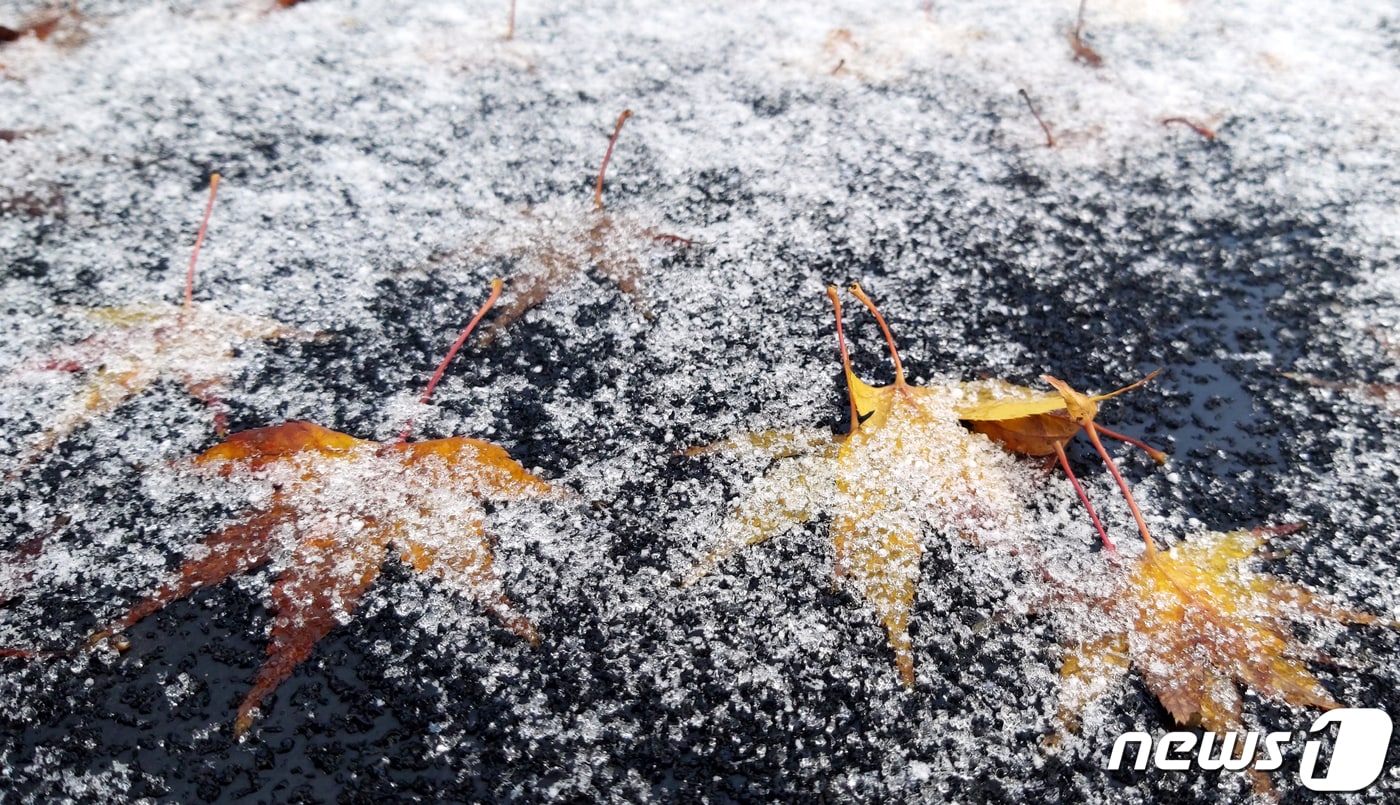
598, 191
1049, 138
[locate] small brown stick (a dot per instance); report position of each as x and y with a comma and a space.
510, 28
598, 191
199, 241
1084, 498
1049, 138
1205, 132
838, 67
496, 286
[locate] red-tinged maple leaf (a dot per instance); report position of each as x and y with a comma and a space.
906, 464
134, 346
338, 507
1198, 624
554, 242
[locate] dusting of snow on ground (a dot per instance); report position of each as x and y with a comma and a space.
1220, 201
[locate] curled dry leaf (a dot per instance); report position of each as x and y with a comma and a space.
134, 346
906, 465
337, 506
557, 241
1034, 423
1197, 624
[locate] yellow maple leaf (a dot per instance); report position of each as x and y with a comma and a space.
136, 345
1197, 624
906, 464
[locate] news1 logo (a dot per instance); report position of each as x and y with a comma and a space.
1356, 760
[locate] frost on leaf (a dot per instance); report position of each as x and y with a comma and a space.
554, 242
137, 345
337, 506
905, 465
1197, 624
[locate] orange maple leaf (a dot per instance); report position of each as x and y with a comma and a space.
906, 463
337, 506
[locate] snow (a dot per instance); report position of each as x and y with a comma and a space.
382, 162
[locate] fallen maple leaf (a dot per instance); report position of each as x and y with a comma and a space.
905, 464
559, 240
137, 345
1033, 423
338, 504
1197, 624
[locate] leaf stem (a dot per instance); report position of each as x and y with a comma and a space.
199, 241
1157, 455
1204, 131
1093, 515
496, 286
1092, 430
859, 293
598, 191
845, 356
1049, 138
